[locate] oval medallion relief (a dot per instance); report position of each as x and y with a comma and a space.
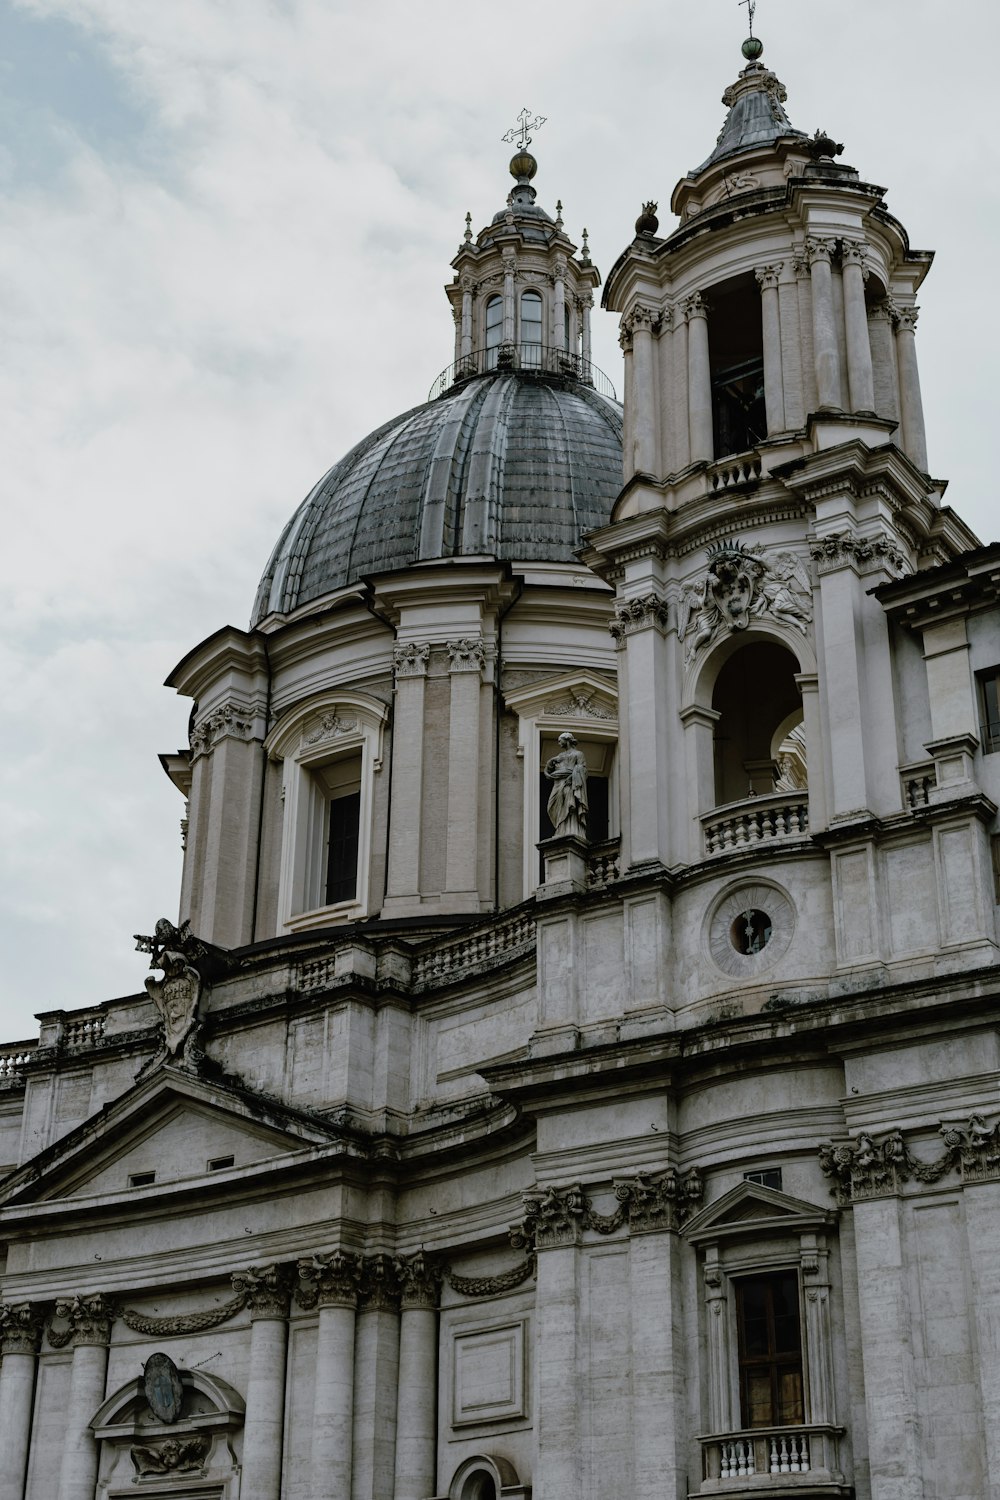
749, 929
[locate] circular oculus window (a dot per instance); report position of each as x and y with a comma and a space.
749, 929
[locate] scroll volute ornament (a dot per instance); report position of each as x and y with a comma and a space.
267, 1290
329, 1280
89, 1320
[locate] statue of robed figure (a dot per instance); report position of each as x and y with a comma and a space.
567, 804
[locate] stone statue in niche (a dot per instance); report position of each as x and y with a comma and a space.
567, 804
742, 585
175, 951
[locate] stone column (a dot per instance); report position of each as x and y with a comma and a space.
699, 381
860, 380
881, 322
466, 661
638, 630
509, 321
815, 1259
557, 336
845, 719
409, 661
640, 324
267, 1291
679, 423
910, 400
774, 399
466, 345
982, 1204
793, 393
559, 1472
658, 1363
90, 1334
720, 1364
586, 303
330, 1282
20, 1330
416, 1406
376, 1380
825, 351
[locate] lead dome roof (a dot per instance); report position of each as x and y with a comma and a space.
513, 465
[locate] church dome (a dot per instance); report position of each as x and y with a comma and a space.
515, 465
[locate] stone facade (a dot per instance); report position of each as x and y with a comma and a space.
661, 1162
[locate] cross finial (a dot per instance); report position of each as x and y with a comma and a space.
751, 6
519, 132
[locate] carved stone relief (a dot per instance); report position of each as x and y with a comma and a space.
740, 586
877, 1168
643, 613
20, 1327
466, 655
181, 1455
840, 549
266, 1289
329, 727
410, 659
233, 721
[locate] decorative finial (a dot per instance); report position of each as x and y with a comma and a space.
584, 248
753, 46
519, 132
647, 222
468, 229
559, 217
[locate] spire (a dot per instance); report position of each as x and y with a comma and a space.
755, 102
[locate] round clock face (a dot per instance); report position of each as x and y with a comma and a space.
749, 929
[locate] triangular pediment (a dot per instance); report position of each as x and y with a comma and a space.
582, 697
751, 1208
173, 1124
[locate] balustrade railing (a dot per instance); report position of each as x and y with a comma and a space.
603, 864
917, 782
13, 1059
83, 1030
756, 820
538, 359
486, 945
740, 469
809, 1453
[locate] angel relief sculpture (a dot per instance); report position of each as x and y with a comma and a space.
742, 585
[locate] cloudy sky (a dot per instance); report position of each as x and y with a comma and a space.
224, 229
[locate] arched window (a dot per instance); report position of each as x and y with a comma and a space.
531, 330
759, 708
494, 330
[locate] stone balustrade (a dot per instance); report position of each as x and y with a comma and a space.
83, 1029
731, 473
917, 782
806, 1454
447, 960
603, 864
757, 820
13, 1059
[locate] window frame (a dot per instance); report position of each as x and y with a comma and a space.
774, 1362
326, 729
989, 729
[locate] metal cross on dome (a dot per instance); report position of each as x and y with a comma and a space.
519, 132
751, 6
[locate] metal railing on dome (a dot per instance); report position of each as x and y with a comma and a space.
530, 359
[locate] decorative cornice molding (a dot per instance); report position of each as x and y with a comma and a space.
233, 721
645, 613
20, 1327
871, 1168
467, 655
410, 658
329, 1280
266, 1289
419, 1276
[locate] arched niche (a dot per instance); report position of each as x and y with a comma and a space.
484, 1477
140, 1454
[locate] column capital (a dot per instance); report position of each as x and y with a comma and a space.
644, 613
551, 1218
420, 1277
89, 1320
883, 312
906, 318
468, 655
330, 1280
767, 276
694, 307
409, 658
640, 319
20, 1327
379, 1289
855, 253
267, 1290
819, 248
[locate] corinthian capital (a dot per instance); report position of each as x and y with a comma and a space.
767, 276
640, 320
820, 247
379, 1286
329, 1280
267, 1290
89, 1320
409, 659
467, 655
20, 1327
420, 1278
694, 306
906, 318
855, 253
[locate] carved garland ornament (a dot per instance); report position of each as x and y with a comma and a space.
870, 1168
555, 1217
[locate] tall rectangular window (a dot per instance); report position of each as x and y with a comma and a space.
342, 785
989, 709
770, 1350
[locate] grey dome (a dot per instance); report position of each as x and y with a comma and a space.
515, 465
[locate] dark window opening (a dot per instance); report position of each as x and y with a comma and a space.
531, 330
770, 1350
989, 710
494, 330
755, 694
220, 1163
141, 1179
767, 1177
342, 848
736, 356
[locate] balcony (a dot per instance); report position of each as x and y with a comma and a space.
770, 1460
770, 818
526, 359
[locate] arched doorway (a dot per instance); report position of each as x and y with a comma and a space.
759, 743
